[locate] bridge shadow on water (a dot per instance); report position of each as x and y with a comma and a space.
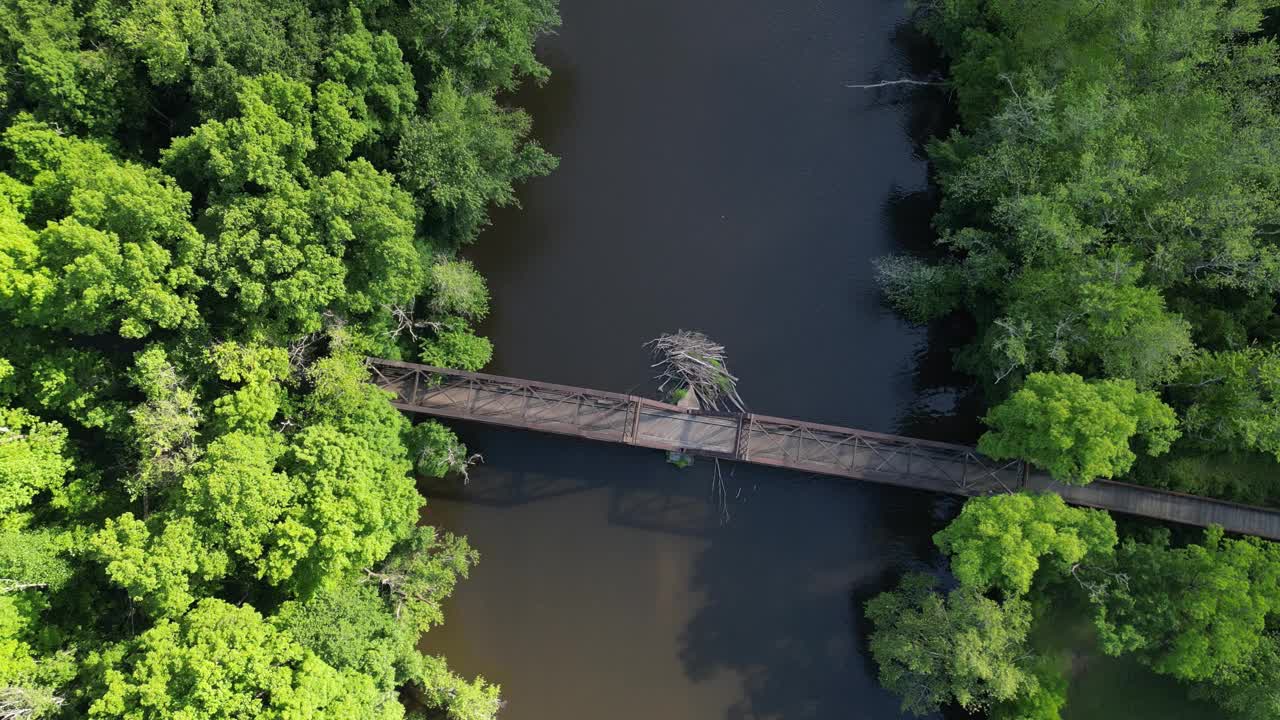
645, 494
777, 589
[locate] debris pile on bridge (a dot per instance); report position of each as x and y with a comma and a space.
688, 359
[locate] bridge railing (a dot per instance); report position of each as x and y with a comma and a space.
876, 456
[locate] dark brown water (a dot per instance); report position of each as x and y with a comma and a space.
715, 175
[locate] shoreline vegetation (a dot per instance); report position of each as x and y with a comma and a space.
1109, 223
210, 212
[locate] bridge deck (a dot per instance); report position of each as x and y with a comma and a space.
778, 442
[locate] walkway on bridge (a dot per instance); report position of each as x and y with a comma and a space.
778, 442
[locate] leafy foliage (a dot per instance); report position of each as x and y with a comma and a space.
421, 572
999, 541
456, 346
32, 458
436, 450
1109, 209
456, 289
210, 212
1197, 612
92, 244
1078, 430
220, 660
1232, 400
962, 648
464, 155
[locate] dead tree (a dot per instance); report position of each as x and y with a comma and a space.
402, 316
9, 585
19, 703
691, 359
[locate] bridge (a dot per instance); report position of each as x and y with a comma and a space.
779, 442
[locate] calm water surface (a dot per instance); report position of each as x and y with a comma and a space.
715, 175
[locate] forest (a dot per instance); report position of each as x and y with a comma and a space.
210, 212
1109, 227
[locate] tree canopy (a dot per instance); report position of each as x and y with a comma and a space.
961, 648
1108, 225
1078, 430
1000, 541
210, 213
1108, 210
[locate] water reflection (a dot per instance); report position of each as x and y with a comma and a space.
625, 582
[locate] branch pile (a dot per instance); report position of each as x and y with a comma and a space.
693, 360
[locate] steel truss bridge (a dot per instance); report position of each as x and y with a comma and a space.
777, 442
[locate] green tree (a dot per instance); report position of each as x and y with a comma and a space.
254, 392
76, 386
488, 45
464, 155
440, 687
454, 345
351, 628
1232, 400
369, 69
33, 458
50, 72
161, 570
1249, 691
160, 32
166, 425
456, 289
264, 145
421, 572
1195, 612
436, 450
353, 506
34, 559
368, 222
210, 212
1000, 541
1044, 703
1078, 430
1093, 315
920, 290
963, 647
94, 244
223, 661
237, 496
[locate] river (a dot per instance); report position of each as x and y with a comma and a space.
716, 174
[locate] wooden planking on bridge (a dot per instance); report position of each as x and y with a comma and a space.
778, 442
1164, 505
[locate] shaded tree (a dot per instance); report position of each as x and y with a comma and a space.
463, 156
962, 647
1194, 612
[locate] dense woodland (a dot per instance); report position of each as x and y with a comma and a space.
210, 212
1110, 224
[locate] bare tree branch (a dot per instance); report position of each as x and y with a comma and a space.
888, 83
8, 585
402, 314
